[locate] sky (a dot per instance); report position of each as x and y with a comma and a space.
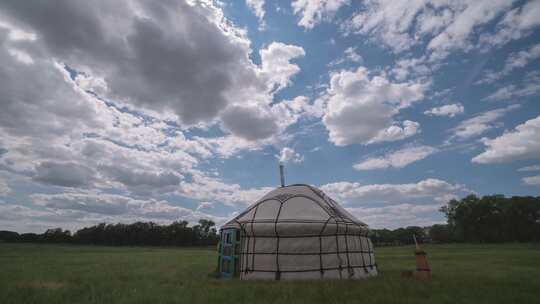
132, 110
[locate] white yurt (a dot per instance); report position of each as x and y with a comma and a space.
296, 232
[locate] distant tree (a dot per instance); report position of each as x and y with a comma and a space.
439, 233
493, 218
8, 236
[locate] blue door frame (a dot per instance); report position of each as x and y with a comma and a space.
227, 253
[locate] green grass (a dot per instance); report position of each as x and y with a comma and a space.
508, 273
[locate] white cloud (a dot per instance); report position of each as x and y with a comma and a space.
425, 191
396, 159
4, 187
522, 58
249, 122
414, 68
21, 56
449, 110
532, 180
397, 131
361, 109
349, 55
352, 55
289, 155
204, 188
227, 146
312, 12
173, 50
397, 216
529, 87
444, 26
64, 174
458, 33
530, 168
117, 208
276, 66
516, 23
205, 206
17, 34
481, 123
521, 143
257, 6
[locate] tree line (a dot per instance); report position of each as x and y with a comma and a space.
136, 234
491, 218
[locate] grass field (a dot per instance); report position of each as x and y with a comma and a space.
508, 273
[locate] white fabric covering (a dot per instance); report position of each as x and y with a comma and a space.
297, 232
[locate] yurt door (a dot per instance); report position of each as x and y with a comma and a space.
228, 253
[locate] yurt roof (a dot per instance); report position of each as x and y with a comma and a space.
295, 202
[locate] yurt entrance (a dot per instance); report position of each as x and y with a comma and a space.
229, 253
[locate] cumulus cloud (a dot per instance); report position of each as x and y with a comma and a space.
36, 99
425, 191
289, 155
514, 61
64, 174
204, 188
442, 26
532, 180
142, 180
312, 12
396, 159
449, 110
529, 87
250, 122
161, 56
257, 7
515, 24
530, 168
117, 208
360, 108
98, 109
205, 206
481, 123
349, 55
521, 143
276, 66
147, 37
413, 68
4, 187
397, 216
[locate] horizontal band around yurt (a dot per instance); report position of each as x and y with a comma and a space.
299, 221
372, 266
306, 235
307, 253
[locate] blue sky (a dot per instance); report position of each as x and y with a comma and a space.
129, 110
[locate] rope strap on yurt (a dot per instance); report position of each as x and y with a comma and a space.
254, 239
278, 272
244, 243
320, 246
349, 269
337, 250
362, 254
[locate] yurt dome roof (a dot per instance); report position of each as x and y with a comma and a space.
298, 203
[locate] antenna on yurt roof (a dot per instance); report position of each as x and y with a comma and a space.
282, 174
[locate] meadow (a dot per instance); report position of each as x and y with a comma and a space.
462, 273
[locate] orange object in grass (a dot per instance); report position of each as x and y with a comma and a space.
423, 271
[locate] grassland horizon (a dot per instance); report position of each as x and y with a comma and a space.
462, 273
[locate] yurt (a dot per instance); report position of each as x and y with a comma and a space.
296, 232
